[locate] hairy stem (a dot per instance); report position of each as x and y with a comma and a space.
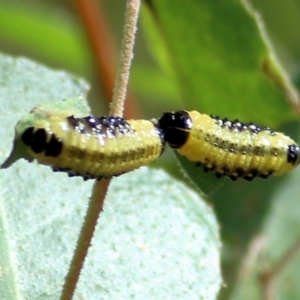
84, 241
132, 10
100, 188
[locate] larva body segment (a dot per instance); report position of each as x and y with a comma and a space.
93, 147
229, 148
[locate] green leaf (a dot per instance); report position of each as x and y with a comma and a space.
46, 32
278, 234
215, 55
207, 182
156, 239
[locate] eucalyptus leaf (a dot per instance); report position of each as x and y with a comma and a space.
207, 182
155, 239
217, 56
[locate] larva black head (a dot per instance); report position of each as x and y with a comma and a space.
176, 127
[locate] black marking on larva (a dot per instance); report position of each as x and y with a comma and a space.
240, 172
248, 177
265, 176
233, 174
198, 164
55, 169
176, 127
92, 122
54, 147
226, 171
258, 151
96, 125
101, 126
233, 177
27, 136
293, 155
70, 173
236, 125
115, 125
219, 175
85, 177
254, 172
161, 136
39, 140
75, 124
206, 168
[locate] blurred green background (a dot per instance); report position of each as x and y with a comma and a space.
51, 32
204, 56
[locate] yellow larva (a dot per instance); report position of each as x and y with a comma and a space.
229, 148
93, 147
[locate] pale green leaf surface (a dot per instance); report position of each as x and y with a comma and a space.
156, 239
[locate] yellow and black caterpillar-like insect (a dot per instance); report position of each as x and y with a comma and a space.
110, 146
229, 148
93, 147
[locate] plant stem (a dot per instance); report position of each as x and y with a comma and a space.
104, 51
84, 241
267, 277
100, 188
132, 10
